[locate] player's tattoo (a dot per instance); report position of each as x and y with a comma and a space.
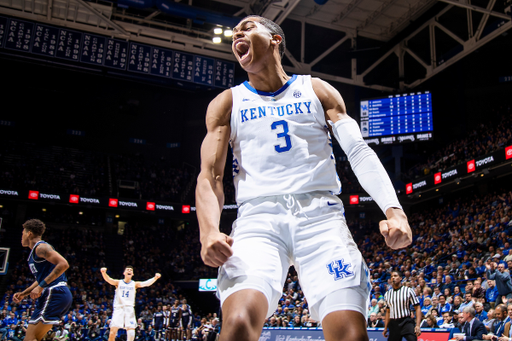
59, 269
43, 250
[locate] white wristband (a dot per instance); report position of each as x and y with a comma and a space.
366, 165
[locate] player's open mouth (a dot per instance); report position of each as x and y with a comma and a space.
242, 48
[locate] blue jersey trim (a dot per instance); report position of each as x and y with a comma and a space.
272, 94
125, 282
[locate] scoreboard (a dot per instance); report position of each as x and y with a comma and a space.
83, 49
397, 118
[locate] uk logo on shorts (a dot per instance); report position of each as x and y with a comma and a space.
339, 269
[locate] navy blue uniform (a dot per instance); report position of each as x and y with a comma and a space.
186, 317
175, 317
56, 299
158, 320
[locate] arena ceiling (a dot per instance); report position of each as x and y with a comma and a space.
390, 45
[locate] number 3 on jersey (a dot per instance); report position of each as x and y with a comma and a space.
288, 145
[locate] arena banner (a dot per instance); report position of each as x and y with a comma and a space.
90, 201
469, 167
374, 334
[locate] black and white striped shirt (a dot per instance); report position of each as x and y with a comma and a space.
399, 302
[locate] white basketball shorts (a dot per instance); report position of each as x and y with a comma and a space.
308, 231
123, 317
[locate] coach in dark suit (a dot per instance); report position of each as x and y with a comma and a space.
473, 328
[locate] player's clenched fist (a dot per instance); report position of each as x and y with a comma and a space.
157, 275
396, 229
216, 249
103, 270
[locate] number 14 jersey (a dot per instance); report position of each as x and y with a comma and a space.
125, 294
280, 142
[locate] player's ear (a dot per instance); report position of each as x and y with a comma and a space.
276, 39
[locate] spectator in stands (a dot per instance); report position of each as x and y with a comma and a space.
443, 305
447, 320
427, 305
374, 307
429, 322
468, 301
473, 328
502, 278
448, 284
489, 321
478, 291
480, 314
373, 322
507, 334
500, 314
382, 307
215, 330
491, 294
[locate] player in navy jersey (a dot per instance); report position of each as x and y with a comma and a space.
50, 287
174, 323
158, 321
167, 314
286, 187
186, 321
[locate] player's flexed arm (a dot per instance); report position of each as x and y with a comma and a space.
366, 165
108, 279
147, 283
215, 246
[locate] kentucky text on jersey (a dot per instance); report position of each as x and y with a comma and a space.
126, 287
282, 110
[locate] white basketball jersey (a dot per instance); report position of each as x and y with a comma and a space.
280, 142
125, 294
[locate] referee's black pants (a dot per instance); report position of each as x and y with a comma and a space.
403, 327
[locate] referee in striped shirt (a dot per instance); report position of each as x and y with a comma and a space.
398, 314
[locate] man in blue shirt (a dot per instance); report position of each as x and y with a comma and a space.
468, 301
481, 314
443, 306
492, 293
11, 319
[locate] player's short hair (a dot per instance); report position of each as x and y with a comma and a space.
129, 267
274, 29
36, 226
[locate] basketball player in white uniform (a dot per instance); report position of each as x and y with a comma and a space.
124, 302
285, 181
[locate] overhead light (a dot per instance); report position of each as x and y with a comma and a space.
217, 30
80, 213
44, 209
1, 206
217, 40
117, 215
228, 33
437, 189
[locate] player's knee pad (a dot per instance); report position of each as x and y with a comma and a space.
130, 335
